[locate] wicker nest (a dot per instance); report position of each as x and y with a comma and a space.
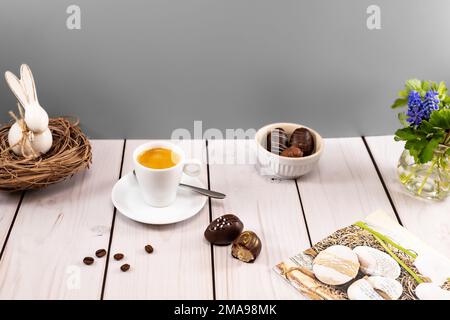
71, 152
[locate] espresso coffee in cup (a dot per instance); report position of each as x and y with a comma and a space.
158, 158
159, 167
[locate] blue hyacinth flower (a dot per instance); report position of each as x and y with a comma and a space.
430, 103
416, 112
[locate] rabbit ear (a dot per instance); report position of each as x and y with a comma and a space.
26, 77
16, 87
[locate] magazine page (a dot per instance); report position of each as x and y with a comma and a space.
373, 259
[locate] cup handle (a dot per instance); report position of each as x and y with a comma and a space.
192, 167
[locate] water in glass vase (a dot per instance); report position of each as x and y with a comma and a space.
429, 180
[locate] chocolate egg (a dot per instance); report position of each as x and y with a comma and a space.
277, 141
303, 139
292, 152
224, 229
246, 247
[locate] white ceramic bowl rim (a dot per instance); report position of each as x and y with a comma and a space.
262, 133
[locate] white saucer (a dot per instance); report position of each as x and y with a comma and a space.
127, 198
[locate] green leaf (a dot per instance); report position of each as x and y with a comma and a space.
415, 147
427, 128
427, 152
400, 102
413, 84
408, 133
402, 118
403, 94
441, 119
427, 85
442, 89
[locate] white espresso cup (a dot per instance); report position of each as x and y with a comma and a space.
159, 186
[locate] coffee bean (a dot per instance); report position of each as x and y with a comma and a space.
88, 260
100, 253
125, 267
118, 256
149, 248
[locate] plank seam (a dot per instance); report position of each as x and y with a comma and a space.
12, 224
303, 212
380, 176
210, 220
112, 228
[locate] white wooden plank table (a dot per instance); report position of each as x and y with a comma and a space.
57, 226
44, 235
179, 267
343, 189
8, 208
429, 220
269, 208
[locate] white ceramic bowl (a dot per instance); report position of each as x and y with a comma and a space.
284, 167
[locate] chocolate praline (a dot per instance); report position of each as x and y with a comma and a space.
277, 141
246, 247
292, 152
223, 230
303, 139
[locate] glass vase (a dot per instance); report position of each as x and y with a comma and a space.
429, 180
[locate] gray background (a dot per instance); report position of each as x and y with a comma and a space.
141, 68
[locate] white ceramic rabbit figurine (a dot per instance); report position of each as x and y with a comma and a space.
38, 138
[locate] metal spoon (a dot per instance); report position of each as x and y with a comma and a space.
205, 192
